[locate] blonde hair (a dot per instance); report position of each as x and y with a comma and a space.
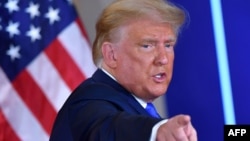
121, 11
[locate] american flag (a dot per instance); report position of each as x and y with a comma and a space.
44, 55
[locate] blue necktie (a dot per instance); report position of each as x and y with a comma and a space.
151, 110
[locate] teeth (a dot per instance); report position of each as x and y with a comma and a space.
158, 76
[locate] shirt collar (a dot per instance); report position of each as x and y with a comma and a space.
108, 74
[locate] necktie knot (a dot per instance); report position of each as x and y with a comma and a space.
151, 110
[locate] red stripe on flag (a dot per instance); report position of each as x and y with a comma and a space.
35, 99
6, 132
65, 64
83, 31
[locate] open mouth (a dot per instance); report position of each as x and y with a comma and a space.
160, 77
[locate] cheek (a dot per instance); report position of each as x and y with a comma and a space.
124, 64
132, 69
170, 58
129, 58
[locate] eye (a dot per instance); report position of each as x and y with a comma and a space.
145, 46
168, 45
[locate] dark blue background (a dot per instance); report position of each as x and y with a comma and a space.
195, 87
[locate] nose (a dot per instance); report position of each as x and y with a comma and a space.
161, 56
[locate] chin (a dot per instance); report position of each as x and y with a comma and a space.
155, 96
160, 89
158, 93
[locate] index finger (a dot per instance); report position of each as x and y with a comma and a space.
183, 120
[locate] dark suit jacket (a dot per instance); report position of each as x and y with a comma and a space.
100, 109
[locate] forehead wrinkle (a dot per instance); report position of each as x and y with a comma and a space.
153, 39
123, 32
159, 35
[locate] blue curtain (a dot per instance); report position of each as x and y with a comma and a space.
197, 85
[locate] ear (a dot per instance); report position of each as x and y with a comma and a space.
109, 54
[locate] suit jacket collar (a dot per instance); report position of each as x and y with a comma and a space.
101, 77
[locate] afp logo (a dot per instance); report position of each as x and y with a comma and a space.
236, 132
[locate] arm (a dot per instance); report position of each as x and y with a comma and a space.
99, 120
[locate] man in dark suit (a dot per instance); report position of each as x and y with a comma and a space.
134, 51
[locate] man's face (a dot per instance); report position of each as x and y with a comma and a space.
144, 58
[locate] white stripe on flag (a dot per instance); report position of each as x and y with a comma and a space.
24, 124
78, 48
49, 80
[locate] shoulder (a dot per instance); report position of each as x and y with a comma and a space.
95, 90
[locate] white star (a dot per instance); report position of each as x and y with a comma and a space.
34, 33
11, 5
12, 28
33, 10
52, 15
13, 52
